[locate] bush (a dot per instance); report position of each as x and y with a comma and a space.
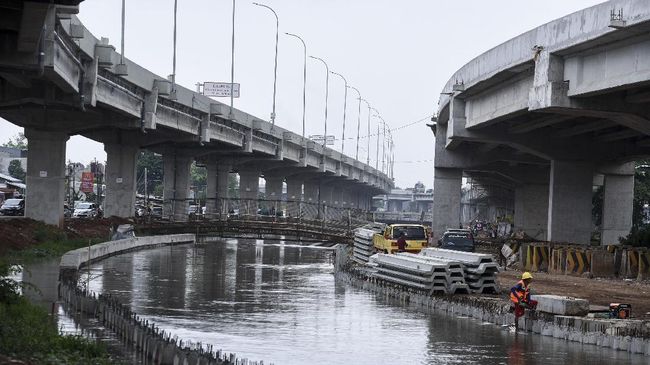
639, 236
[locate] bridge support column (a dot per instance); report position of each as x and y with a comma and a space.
618, 201
446, 199
249, 185
211, 189
223, 174
294, 196
311, 191
337, 196
569, 202
531, 210
120, 180
176, 171
274, 187
45, 195
326, 191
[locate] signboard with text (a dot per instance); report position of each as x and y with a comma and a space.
220, 89
319, 138
87, 180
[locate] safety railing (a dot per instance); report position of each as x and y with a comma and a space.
310, 213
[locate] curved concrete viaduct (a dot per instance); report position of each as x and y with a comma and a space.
58, 80
551, 113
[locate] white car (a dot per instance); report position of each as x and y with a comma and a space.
85, 210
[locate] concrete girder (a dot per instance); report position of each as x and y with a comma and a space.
618, 135
540, 123
582, 128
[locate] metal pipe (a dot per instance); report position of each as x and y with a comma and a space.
275, 67
345, 107
304, 82
356, 156
232, 64
327, 84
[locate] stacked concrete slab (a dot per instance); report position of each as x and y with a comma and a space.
363, 247
420, 273
479, 269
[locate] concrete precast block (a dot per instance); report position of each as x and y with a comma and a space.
556, 304
603, 263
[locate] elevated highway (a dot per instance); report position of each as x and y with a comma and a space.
57, 79
550, 114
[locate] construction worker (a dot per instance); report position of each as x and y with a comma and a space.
401, 242
520, 297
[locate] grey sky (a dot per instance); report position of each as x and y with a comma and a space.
399, 54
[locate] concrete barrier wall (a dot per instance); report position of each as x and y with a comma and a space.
73, 260
629, 335
155, 345
145, 338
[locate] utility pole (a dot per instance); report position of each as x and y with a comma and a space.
146, 195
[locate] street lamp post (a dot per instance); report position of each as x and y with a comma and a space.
275, 67
327, 87
377, 137
304, 82
368, 136
345, 107
356, 156
383, 148
232, 64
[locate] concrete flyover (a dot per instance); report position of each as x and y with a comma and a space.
550, 114
58, 80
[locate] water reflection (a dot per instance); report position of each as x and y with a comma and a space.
280, 303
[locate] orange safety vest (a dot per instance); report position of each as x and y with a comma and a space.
520, 295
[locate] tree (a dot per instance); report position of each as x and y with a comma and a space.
16, 170
154, 165
18, 141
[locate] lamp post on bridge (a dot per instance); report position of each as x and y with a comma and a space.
345, 107
275, 65
304, 81
377, 137
356, 156
327, 84
368, 135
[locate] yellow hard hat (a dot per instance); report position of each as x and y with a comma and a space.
526, 275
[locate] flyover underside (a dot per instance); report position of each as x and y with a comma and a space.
57, 78
554, 125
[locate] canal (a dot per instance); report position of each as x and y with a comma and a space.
280, 303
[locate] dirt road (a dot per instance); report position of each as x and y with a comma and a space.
597, 291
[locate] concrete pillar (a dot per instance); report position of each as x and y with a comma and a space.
274, 187
294, 196
311, 191
120, 180
223, 174
211, 189
45, 180
176, 188
618, 200
249, 184
326, 193
569, 202
531, 210
337, 196
446, 199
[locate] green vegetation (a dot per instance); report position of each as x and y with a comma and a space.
640, 233
27, 331
18, 141
16, 170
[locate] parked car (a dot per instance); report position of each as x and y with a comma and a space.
156, 211
457, 239
86, 210
13, 207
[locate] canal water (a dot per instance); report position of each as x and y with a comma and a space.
280, 303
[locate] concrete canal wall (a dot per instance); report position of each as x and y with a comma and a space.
147, 340
625, 335
73, 260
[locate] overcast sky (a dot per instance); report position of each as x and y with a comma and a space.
399, 54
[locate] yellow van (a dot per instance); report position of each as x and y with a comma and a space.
417, 238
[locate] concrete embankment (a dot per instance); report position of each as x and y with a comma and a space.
626, 335
147, 340
73, 260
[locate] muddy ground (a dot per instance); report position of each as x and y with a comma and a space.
20, 233
597, 291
